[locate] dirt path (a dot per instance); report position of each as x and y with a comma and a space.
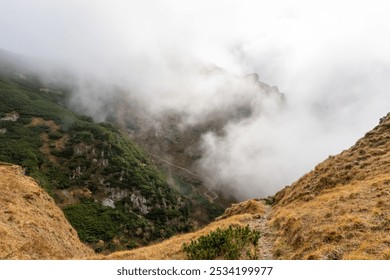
267, 238
211, 195
174, 165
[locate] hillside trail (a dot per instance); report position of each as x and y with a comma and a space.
174, 165
209, 194
267, 238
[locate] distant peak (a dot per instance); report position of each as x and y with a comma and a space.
253, 77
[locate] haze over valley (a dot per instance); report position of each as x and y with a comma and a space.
152, 117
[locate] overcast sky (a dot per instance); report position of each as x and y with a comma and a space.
330, 58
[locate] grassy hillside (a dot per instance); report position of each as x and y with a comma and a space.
340, 210
109, 189
31, 225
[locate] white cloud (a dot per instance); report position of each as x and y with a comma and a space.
330, 58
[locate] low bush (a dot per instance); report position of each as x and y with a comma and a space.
228, 243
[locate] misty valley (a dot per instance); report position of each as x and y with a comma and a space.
194, 176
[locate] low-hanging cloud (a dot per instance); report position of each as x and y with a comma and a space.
331, 60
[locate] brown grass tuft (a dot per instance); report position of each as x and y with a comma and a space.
255, 207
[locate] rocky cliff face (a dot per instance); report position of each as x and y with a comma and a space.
31, 225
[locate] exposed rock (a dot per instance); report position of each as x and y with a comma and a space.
81, 193
139, 202
108, 202
12, 117
117, 194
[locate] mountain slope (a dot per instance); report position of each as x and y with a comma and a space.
31, 225
340, 210
108, 187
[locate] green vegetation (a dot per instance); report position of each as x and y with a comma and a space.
93, 221
20, 144
29, 102
212, 210
228, 244
64, 151
187, 189
97, 222
270, 200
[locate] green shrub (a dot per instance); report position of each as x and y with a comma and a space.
95, 222
228, 244
92, 221
55, 135
270, 200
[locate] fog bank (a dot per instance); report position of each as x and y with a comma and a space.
330, 58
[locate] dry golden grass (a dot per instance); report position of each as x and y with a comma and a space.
346, 222
341, 210
252, 206
47, 143
40, 121
31, 225
171, 249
